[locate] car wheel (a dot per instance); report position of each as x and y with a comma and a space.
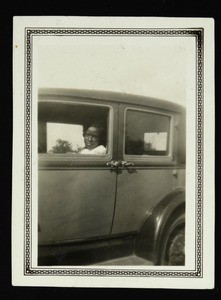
174, 249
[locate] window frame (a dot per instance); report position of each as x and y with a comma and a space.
47, 160
152, 159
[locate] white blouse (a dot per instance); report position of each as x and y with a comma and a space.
99, 150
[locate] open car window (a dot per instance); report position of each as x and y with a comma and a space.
64, 138
62, 126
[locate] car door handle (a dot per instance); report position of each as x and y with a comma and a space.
113, 164
126, 164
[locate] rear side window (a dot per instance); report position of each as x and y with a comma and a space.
63, 126
146, 133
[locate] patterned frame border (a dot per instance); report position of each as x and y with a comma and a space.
29, 34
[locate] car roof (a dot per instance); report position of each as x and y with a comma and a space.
123, 98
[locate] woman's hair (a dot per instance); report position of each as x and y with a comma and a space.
101, 130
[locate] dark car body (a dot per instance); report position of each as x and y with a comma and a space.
130, 201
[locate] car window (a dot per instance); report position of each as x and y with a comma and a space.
63, 138
146, 133
63, 128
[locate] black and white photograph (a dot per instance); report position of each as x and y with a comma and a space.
113, 173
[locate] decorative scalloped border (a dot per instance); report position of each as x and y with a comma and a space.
29, 34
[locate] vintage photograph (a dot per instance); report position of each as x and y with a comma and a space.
113, 149
111, 168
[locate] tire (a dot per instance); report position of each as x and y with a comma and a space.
174, 248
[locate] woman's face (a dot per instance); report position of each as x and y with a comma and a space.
91, 138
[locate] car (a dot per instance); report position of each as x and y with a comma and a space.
128, 202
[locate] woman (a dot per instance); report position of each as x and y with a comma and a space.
94, 139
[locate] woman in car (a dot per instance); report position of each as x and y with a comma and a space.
94, 139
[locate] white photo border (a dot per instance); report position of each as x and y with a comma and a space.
30, 33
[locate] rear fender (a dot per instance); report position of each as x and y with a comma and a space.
170, 211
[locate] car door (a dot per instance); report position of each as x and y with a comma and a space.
76, 193
147, 143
